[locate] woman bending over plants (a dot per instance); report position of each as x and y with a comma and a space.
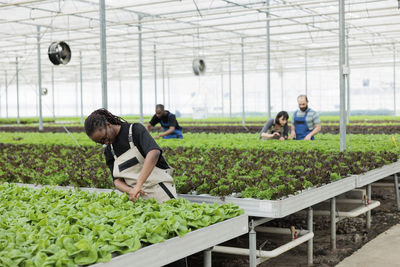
133, 157
276, 129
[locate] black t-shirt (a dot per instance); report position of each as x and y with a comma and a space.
141, 139
167, 118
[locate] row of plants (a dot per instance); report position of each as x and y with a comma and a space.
326, 128
211, 120
323, 142
206, 167
51, 227
24, 120
211, 123
266, 174
330, 129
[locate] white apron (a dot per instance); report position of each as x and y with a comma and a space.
159, 185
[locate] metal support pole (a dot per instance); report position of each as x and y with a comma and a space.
6, 85
81, 81
155, 76
39, 80
347, 79
207, 257
17, 84
342, 76
37, 107
268, 62
0, 102
140, 69
120, 94
252, 245
394, 81
222, 92
333, 223
369, 212
396, 190
103, 47
305, 72
282, 89
310, 242
53, 92
243, 112
163, 82
169, 92
77, 96
230, 88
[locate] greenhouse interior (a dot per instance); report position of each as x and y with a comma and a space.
199, 133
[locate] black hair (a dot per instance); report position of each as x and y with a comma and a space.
160, 106
283, 114
98, 119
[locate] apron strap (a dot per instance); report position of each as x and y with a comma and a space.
305, 118
166, 190
130, 138
112, 151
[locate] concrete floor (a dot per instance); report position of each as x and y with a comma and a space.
382, 251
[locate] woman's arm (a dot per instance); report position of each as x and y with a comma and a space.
266, 135
264, 130
121, 185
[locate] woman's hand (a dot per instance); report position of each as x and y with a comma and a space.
135, 192
282, 138
276, 134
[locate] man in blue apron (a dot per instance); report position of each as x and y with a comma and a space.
306, 123
168, 123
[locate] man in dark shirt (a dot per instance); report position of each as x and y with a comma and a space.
168, 122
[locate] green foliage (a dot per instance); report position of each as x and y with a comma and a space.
216, 164
24, 120
51, 227
324, 142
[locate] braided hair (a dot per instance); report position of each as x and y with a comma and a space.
97, 120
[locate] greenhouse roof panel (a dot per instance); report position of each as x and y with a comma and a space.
183, 30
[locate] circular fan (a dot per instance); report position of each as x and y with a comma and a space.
199, 66
59, 53
44, 91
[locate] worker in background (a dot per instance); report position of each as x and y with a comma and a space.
306, 123
168, 122
276, 129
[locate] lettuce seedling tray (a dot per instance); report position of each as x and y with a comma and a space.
302, 199
285, 206
175, 248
